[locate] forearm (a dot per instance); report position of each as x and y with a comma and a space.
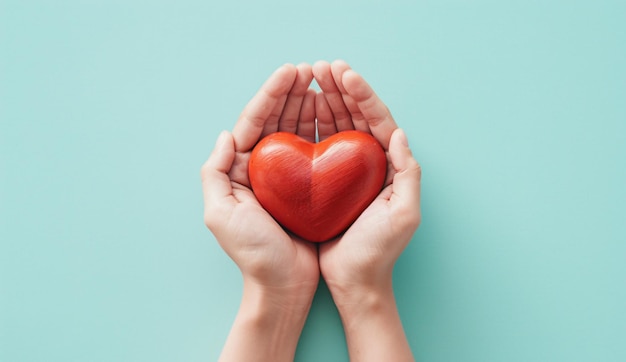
268, 325
372, 324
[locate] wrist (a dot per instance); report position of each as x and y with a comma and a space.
269, 323
356, 300
277, 301
369, 313
360, 290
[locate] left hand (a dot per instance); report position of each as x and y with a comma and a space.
266, 255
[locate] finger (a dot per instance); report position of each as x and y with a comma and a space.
338, 67
239, 174
252, 120
377, 115
216, 184
288, 121
326, 126
306, 125
407, 178
324, 78
271, 124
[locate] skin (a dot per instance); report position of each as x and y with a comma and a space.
281, 271
358, 266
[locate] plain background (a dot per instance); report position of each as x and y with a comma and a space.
515, 109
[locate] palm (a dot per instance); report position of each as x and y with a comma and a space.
348, 257
378, 236
281, 271
276, 255
260, 247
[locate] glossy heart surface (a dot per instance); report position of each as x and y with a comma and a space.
317, 190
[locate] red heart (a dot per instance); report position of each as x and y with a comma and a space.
317, 190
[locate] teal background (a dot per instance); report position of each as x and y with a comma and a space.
515, 109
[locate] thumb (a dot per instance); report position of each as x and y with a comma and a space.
406, 181
214, 172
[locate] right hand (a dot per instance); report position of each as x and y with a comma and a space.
358, 265
364, 256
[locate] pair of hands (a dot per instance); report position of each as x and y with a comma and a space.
276, 264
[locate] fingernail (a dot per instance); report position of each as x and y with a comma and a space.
403, 139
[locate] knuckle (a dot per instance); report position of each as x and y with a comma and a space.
417, 167
342, 115
375, 121
414, 170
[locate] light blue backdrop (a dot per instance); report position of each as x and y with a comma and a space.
515, 109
